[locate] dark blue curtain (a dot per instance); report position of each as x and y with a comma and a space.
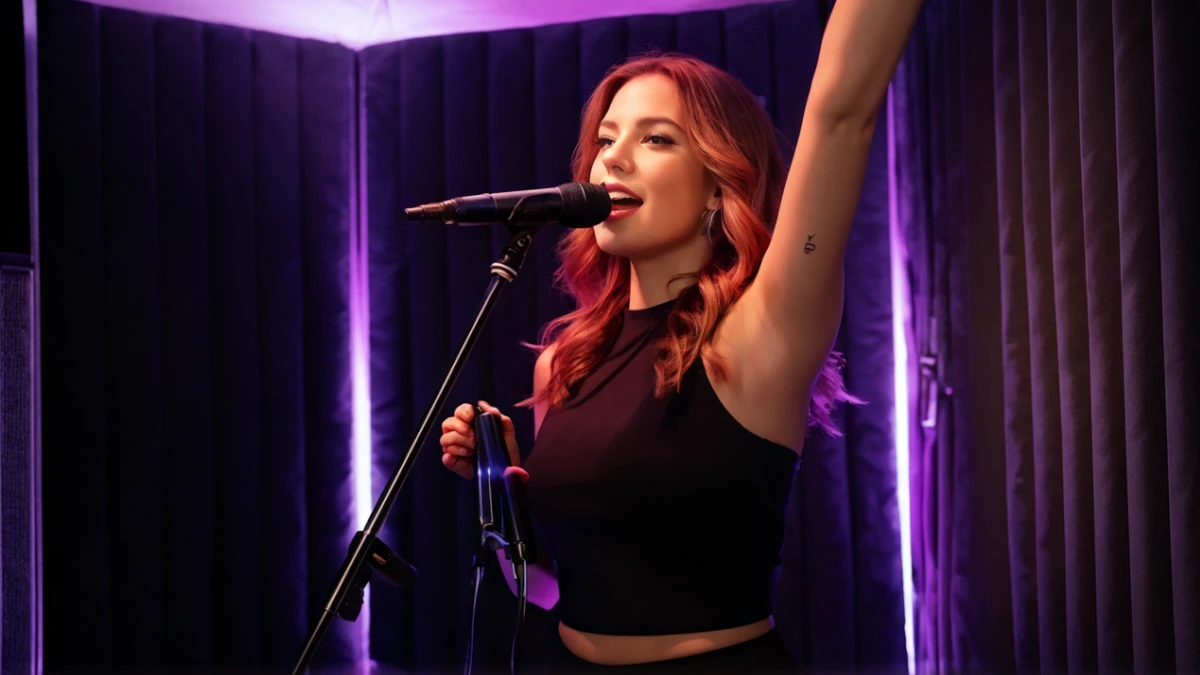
1047, 170
15, 237
19, 471
452, 116
196, 218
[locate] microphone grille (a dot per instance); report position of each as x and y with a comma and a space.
584, 204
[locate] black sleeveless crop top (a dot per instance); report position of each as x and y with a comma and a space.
663, 515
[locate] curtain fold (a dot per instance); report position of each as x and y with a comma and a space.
1178, 168
465, 114
1067, 397
194, 229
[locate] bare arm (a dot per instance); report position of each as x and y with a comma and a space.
798, 293
542, 577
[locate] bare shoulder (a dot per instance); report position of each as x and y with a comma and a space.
768, 388
542, 368
541, 377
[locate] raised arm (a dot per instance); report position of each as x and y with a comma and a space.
799, 288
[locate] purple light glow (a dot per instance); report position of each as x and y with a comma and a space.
36, 609
360, 367
901, 312
360, 23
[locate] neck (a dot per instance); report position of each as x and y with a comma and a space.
653, 281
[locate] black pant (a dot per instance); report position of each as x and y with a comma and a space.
764, 655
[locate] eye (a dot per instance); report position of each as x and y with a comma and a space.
659, 139
604, 140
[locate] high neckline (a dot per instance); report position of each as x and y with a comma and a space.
643, 318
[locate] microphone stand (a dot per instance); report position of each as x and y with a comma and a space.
346, 597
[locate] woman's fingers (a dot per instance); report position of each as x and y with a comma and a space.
506, 428
519, 471
489, 408
458, 465
458, 441
456, 424
457, 435
457, 447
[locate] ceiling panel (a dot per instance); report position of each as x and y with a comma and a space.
358, 23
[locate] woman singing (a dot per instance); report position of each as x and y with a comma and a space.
669, 406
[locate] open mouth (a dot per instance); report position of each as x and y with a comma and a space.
623, 203
622, 208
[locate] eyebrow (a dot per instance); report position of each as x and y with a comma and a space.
645, 121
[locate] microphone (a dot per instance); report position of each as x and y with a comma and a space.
491, 460
570, 204
488, 468
522, 547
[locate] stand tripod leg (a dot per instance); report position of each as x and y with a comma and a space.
503, 271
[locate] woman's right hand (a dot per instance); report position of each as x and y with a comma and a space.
458, 439
458, 455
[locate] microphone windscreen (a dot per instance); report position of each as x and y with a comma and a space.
584, 204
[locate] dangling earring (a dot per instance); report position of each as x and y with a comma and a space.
708, 219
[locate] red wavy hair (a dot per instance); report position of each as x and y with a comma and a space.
736, 142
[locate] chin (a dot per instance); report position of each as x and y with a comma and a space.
628, 247
613, 242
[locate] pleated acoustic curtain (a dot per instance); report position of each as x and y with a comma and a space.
195, 249
1047, 169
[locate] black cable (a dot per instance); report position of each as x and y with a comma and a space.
479, 569
522, 599
512, 216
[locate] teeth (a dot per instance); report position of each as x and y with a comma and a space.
620, 195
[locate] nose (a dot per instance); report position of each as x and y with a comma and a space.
617, 156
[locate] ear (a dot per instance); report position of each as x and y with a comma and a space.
714, 198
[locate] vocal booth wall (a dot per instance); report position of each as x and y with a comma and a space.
196, 216
1047, 172
208, 196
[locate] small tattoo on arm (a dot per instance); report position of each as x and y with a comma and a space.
809, 246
